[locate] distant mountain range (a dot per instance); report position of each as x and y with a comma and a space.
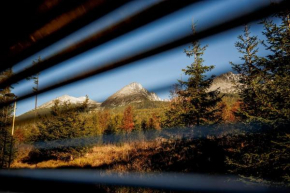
70, 99
132, 93
136, 93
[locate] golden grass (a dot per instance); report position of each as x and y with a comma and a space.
96, 157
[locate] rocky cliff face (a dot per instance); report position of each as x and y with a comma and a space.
226, 83
132, 93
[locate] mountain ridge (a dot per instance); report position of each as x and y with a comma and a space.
66, 98
136, 93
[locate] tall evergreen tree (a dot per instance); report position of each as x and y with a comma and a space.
276, 69
265, 98
250, 76
173, 114
199, 106
5, 121
35, 79
265, 81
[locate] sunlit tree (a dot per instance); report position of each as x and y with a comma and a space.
197, 105
128, 119
251, 77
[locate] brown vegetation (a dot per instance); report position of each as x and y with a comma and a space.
158, 155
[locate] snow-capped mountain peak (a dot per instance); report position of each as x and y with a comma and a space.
131, 88
132, 93
67, 98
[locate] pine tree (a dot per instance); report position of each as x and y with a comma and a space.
251, 78
35, 79
265, 81
276, 69
173, 114
198, 105
6, 140
276, 95
265, 99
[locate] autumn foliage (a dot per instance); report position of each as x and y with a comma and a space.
128, 119
228, 113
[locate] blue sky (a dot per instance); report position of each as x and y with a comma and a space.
152, 72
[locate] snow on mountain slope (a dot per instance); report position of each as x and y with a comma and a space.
67, 98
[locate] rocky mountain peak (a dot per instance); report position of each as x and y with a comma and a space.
226, 82
65, 98
133, 87
132, 93
229, 76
